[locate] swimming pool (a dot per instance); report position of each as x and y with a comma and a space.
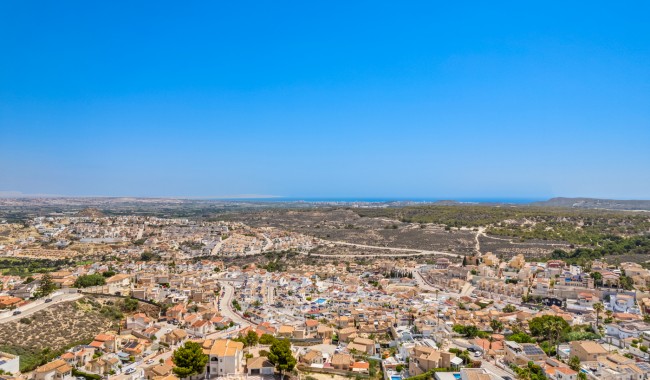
321, 301
396, 378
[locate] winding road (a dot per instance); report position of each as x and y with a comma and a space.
225, 305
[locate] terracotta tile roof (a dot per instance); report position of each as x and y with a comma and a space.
51, 366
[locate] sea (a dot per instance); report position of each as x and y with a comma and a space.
506, 200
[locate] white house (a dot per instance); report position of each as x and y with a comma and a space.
225, 357
9, 363
626, 330
621, 303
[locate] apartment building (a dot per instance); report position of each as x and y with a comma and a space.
226, 357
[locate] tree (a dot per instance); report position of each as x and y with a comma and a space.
130, 305
281, 356
530, 372
108, 273
146, 256
521, 337
509, 309
249, 340
598, 308
87, 280
574, 363
267, 339
189, 360
46, 287
626, 282
556, 327
469, 331
496, 325
548, 326
598, 278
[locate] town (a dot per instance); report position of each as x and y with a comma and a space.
139, 297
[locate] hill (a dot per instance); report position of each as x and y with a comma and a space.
595, 203
90, 213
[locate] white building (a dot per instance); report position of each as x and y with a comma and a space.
10, 363
226, 357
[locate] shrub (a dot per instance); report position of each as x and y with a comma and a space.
87, 280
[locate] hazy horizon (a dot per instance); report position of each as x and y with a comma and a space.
280, 198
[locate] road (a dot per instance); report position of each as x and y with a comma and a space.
427, 287
30, 309
409, 251
225, 304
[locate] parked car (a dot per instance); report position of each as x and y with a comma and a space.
129, 371
17, 312
50, 300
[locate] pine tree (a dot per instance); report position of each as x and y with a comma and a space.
189, 360
46, 287
281, 356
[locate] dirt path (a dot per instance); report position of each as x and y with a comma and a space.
408, 251
481, 231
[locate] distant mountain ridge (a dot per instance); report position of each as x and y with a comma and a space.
610, 204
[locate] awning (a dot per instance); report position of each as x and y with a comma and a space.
456, 361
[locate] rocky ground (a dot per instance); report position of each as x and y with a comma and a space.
56, 327
345, 225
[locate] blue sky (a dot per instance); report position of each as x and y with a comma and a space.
325, 99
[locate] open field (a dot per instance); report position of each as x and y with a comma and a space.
507, 247
347, 226
576, 226
41, 336
506, 231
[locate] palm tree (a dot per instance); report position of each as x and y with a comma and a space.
496, 325
598, 308
555, 329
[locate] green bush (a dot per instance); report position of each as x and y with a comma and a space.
87, 376
88, 280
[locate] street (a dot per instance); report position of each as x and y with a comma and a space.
34, 307
225, 304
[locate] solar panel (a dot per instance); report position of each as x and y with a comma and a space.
532, 350
643, 366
